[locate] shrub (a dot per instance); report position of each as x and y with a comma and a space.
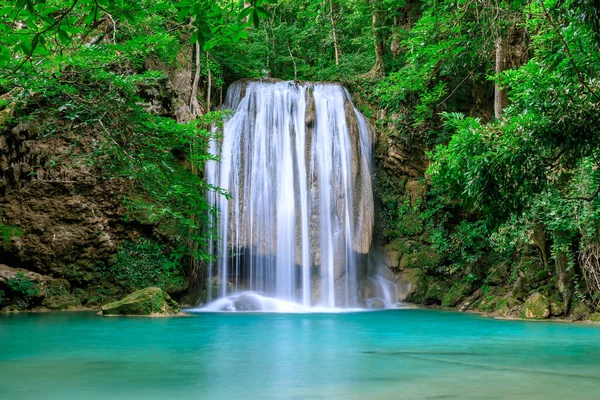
143, 263
22, 285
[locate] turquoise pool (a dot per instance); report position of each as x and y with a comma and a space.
392, 354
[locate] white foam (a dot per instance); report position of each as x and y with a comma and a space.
254, 302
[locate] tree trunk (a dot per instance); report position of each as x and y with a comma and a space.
511, 52
194, 105
378, 43
500, 96
208, 92
247, 17
565, 282
565, 279
540, 241
335, 41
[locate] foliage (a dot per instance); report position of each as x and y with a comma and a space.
82, 66
21, 285
145, 263
8, 232
537, 164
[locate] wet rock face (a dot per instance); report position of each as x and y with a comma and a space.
151, 301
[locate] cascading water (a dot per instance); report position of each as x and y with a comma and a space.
295, 159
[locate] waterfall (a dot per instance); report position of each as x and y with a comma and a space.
295, 159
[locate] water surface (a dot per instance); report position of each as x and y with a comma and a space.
399, 354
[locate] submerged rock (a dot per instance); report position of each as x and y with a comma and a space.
537, 306
150, 301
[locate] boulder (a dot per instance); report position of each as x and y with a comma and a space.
390, 257
151, 301
537, 306
508, 306
580, 311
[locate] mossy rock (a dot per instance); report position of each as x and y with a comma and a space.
498, 274
402, 245
508, 306
557, 306
542, 275
57, 295
435, 293
488, 303
61, 302
521, 288
537, 306
595, 317
149, 301
580, 310
424, 258
456, 294
425, 291
533, 269
411, 223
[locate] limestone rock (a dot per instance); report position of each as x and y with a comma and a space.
390, 257
150, 301
537, 306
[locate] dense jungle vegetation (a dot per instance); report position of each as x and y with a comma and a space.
500, 99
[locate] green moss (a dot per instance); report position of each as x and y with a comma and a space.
595, 317
425, 258
149, 301
537, 306
581, 310
8, 232
456, 294
488, 303
58, 296
498, 274
542, 275
508, 306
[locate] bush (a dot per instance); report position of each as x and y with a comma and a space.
143, 263
22, 285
